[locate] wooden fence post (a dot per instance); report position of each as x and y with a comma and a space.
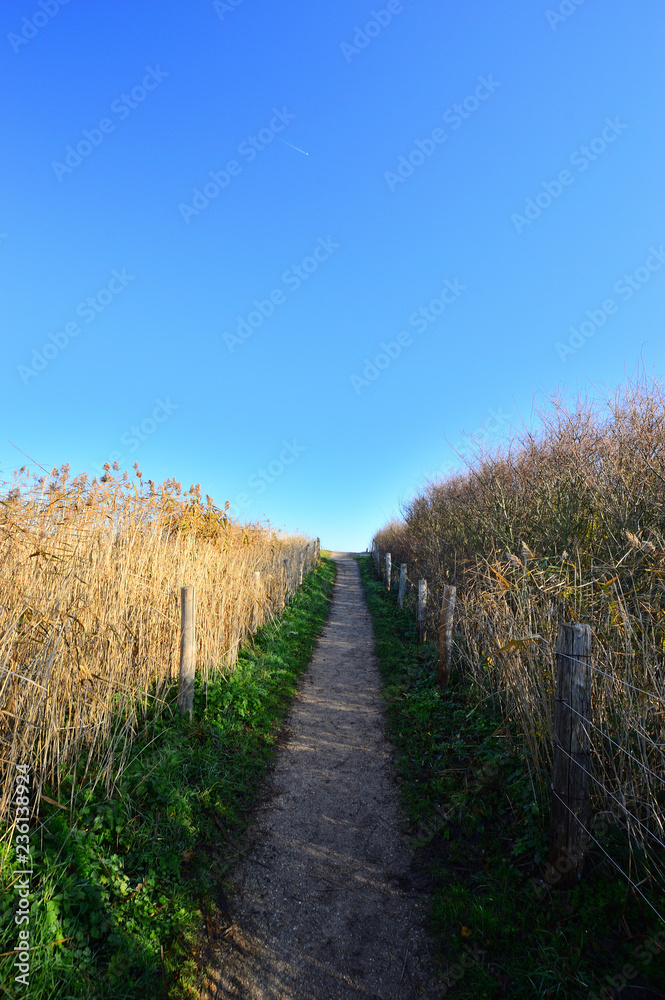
570, 783
389, 566
187, 652
402, 585
285, 563
446, 634
257, 590
421, 622
318, 551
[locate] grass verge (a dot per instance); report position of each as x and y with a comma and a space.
123, 883
480, 825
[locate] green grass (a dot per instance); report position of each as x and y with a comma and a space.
481, 831
130, 879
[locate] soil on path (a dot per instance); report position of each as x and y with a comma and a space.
317, 906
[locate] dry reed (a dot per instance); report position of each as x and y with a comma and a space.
564, 523
89, 610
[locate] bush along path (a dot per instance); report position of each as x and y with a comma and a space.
127, 886
480, 824
321, 905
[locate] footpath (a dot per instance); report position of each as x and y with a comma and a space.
317, 908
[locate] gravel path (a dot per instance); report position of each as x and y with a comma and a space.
317, 909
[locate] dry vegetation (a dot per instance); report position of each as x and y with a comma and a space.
89, 609
566, 523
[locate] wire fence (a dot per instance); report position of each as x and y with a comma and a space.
89, 623
617, 777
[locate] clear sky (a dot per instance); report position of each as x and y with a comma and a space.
295, 251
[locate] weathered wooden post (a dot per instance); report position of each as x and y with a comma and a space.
389, 566
257, 591
421, 622
446, 634
187, 652
318, 551
402, 585
570, 780
301, 561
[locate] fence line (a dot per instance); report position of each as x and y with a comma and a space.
236, 601
564, 842
620, 680
188, 627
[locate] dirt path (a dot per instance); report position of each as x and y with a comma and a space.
317, 908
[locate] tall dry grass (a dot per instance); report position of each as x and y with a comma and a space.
567, 522
89, 610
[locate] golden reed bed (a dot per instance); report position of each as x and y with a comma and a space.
90, 583
565, 523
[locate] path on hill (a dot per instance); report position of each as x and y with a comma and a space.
317, 909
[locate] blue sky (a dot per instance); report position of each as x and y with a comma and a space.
295, 252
